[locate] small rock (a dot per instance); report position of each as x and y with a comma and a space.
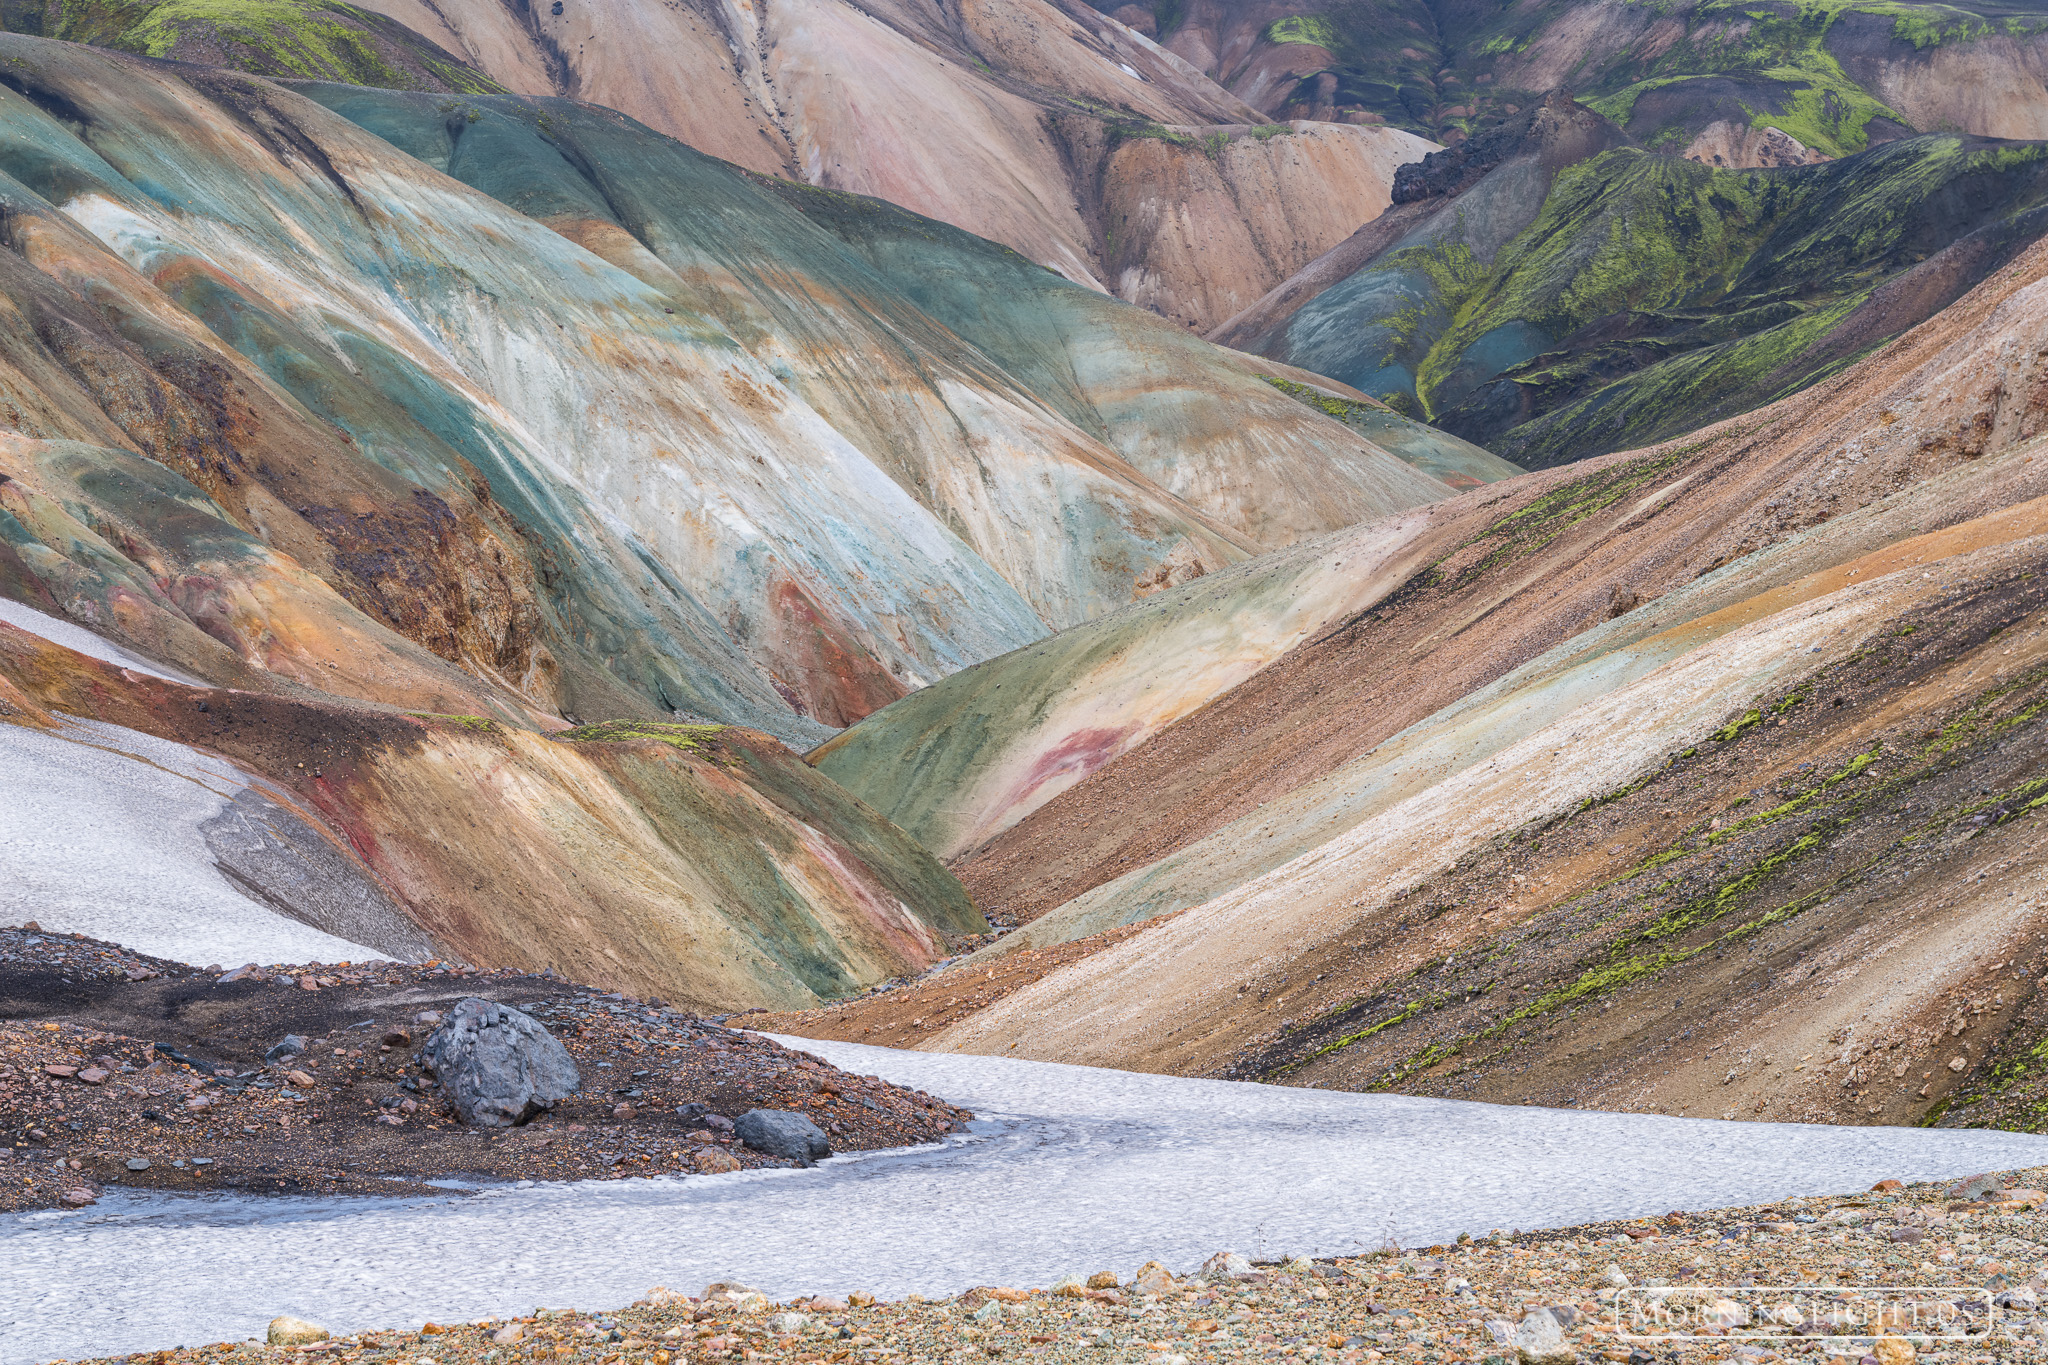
397, 1037
1893, 1351
299, 1079
714, 1161
499, 1065
1958, 1063
693, 1112
247, 972
622, 1112
1616, 1277
92, 1075
1906, 1234
138, 1163
1887, 1186
307, 983
295, 1332
429, 1017
788, 1324
1540, 1341
861, 1298
2021, 1299
825, 1303
511, 1334
1152, 1278
78, 1198
291, 1046
1986, 1186
61, 1072
992, 1311
1106, 1279
779, 1132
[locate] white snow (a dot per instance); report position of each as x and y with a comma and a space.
76, 637
1072, 1169
100, 834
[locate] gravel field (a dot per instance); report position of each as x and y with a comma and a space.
1551, 1296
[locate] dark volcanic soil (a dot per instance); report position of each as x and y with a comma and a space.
109, 1060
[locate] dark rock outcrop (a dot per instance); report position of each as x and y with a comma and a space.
499, 1065
1558, 119
778, 1132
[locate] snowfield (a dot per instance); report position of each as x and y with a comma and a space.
1069, 1169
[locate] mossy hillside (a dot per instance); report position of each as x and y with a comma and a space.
1702, 290
309, 39
1443, 68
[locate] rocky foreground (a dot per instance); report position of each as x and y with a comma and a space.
1970, 1256
123, 1070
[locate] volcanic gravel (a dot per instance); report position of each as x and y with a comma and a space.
121, 1069
1434, 1306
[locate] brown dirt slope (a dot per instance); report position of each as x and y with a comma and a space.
108, 1058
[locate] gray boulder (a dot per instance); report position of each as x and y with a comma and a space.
778, 1132
499, 1066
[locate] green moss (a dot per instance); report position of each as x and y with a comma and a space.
311, 39
1831, 116
480, 724
1543, 519
1647, 951
1124, 129
1313, 29
689, 738
1343, 409
1454, 277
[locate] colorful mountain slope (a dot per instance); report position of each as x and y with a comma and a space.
310, 39
514, 415
1765, 82
813, 497
1640, 783
1040, 124
1558, 295
701, 863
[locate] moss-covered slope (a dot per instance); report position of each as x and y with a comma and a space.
1651, 294
326, 40
1837, 75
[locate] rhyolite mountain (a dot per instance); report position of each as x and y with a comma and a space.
1549, 290
1041, 124
426, 437
1758, 83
